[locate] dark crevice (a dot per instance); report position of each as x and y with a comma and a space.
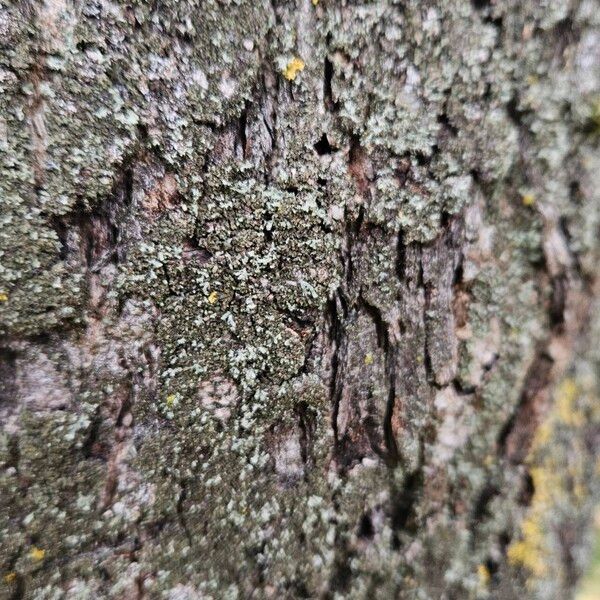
443, 120
83, 45
330, 103
393, 457
422, 159
403, 171
193, 252
513, 112
181, 512
420, 273
8, 377
517, 434
342, 573
480, 510
381, 327
98, 228
323, 146
89, 447
487, 92
61, 229
461, 389
337, 339
127, 402
563, 227
558, 300
492, 566
365, 527
427, 362
300, 590
400, 257
14, 453
242, 128
167, 280
458, 274
306, 421
359, 166
566, 34
268, 227
19, 593
527, 491
403, 518
485, 8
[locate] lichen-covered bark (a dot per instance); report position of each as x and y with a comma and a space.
298, 299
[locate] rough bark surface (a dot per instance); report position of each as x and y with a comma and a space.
298, 299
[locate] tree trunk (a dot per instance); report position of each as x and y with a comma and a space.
298, 299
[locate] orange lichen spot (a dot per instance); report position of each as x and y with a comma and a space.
528, 199
3, 297
37, 553
212, 297
10, 577
293, 68
484, 574
368, 359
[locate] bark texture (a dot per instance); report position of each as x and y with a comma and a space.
298, 299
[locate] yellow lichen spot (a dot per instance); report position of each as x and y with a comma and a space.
596, 114
526, 553
528, 199
170, 400
531, 551
579, 491
484, 574
543, 434
566, 397
315, 2
545, 482
3, 297
368, 359
517, 553
37, 553
293, 68
212, 297
531, 529
533, 79
10, 577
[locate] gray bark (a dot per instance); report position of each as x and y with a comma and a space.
298, 299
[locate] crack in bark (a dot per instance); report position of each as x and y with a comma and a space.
181, 512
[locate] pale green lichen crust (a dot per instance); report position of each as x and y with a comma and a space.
298, 299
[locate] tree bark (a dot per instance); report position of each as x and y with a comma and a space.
298, 299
